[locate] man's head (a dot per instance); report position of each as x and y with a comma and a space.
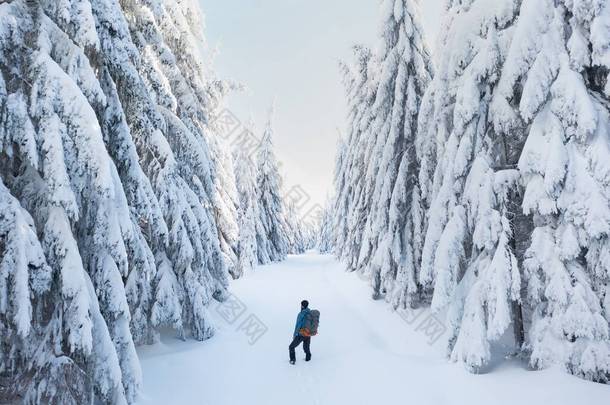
304, 304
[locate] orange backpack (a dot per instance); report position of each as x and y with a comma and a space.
312, 320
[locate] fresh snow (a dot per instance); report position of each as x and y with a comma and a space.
364, 354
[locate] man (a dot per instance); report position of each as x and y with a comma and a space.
297, 337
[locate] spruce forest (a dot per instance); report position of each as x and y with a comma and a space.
471, 181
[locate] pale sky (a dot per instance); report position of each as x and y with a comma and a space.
288, 50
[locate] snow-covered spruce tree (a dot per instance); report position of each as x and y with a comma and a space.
341, 177
296, 229
226, 205
555, 79
132, 123
271, 233
343, 183
67, 182
117, 56
352, 195
324, 231
469, 183
393, 231
310, 235
245, 176
168, 123
103, 145
181, 23
176, 48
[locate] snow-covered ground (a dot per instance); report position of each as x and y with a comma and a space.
364, 353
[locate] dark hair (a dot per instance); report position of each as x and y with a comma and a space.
304, 304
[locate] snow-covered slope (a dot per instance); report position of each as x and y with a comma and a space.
364, 353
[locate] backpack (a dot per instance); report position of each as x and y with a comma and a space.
310, 327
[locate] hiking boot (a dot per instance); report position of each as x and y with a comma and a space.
307, 358
292, 361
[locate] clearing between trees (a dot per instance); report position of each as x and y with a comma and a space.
364, 354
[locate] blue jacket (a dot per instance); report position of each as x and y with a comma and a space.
300, 321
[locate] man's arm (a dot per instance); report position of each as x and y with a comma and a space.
298, 324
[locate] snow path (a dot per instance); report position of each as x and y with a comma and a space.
364, 354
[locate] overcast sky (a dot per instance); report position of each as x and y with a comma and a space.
288, 50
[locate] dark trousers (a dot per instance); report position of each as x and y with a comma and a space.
297, 341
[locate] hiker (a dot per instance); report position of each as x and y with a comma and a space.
297, 337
